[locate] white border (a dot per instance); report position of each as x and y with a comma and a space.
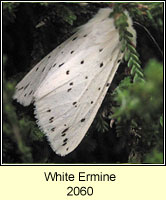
85, 163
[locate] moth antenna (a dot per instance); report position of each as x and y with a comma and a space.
150, 35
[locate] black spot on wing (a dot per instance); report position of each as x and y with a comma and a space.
99, 88
74, 38
86, 77
108, 84
65, 140
37, 69
74, 103
100, 50
101, 64
82, 62
54, 65
51, 119
25, 95
67, 72
61, 64
49, 56
71, 83
30, 92
72, 52
49, 110
20, 88
82, 120
119, 61
64, 144
53, 129
43, 69
26, 86
65, 130
91, 102
85, 35
69, 89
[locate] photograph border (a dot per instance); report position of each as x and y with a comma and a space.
96, 164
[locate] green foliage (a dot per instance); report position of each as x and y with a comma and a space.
129, 125
141, 103
19, 134
149, 14
131, 96
10, 7
12, 128
154, 157
65, 13
130, 54
139, 98
101, 124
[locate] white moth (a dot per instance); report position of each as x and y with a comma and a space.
69, 84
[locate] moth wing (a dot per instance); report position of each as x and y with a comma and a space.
26, 88
67, 101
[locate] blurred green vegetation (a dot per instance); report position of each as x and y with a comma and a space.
140, 106
129, 125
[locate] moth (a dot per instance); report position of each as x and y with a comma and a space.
68, 85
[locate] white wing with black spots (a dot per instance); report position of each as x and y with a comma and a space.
76, 77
